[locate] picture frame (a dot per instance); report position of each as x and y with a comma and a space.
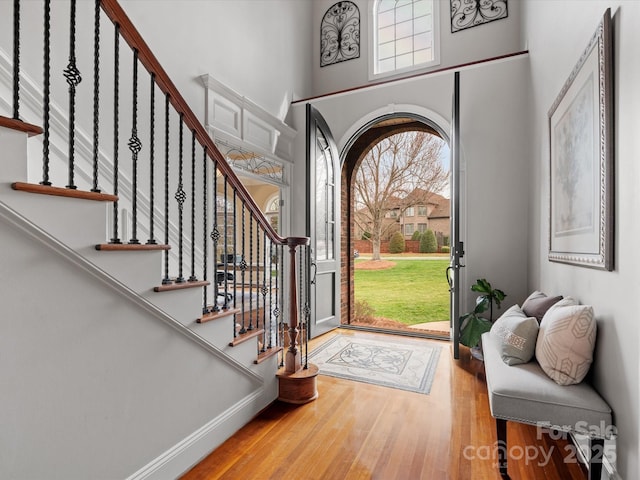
581, 219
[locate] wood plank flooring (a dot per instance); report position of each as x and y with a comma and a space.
361, 431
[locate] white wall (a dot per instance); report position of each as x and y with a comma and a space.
259, 48
493, 39
92, 385
556, 37
494, 155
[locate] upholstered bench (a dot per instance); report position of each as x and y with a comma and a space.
524, 393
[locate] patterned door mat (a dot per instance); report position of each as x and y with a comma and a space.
400, 362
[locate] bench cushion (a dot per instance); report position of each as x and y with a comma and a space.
524, 393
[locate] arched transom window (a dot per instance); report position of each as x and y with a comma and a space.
405, 35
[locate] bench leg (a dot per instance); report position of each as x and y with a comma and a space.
501, 426
596, 446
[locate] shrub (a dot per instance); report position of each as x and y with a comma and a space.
363, 312
416, 235
366, 236
428, 242
445, 249
396, 244
445, 240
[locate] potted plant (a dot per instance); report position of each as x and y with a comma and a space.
472, 324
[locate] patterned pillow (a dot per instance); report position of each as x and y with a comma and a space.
537, 304
566, 341
517, 334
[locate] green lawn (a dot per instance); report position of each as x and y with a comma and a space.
413, 291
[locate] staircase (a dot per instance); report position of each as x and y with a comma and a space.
119, 358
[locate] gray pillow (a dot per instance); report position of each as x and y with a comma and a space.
537, 304
517, 334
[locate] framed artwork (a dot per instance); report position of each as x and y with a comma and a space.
471, 13
581, 159
340, 34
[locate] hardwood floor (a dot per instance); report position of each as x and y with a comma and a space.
361, 431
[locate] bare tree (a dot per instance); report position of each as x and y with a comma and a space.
400, 171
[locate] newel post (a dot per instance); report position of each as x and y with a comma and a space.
296, 384
292, 361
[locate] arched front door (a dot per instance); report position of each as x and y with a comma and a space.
323, 226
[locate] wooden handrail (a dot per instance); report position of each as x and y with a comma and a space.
130, 34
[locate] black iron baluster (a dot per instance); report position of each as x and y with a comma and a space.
96, 92
306, 309
46, 93
152, 141
116, 93
271, 312
192, 277
205, 223
243, 269
180, 197
166, 280
251, 267
72, 74
301, 324
225, 256
264, 294
16, 59
135, 146
215, 236
235, 247
280, 300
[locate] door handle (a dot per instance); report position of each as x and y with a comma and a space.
448, 275
315, 270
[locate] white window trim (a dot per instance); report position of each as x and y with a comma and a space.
413, 69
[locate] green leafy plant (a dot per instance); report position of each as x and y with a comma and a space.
472, 324
416, 235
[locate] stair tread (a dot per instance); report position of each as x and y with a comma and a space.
63, 192
243, 337
21, 126
131, 247
268, 353
182, 285
216, 315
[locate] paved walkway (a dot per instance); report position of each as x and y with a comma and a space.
437, 328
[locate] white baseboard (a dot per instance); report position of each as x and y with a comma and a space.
187, 453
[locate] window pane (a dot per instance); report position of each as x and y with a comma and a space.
408, 229
422, 24
387, 50
404, 29
384, 5
423, 56
421, 7
387, 65
404, 45
385, 19
387, 34
404, 14
422, 41
404, 61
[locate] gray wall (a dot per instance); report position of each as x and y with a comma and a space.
92, 385
259, 48
556, 37
493, 156
485, 41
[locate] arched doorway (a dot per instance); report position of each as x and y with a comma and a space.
356, 147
